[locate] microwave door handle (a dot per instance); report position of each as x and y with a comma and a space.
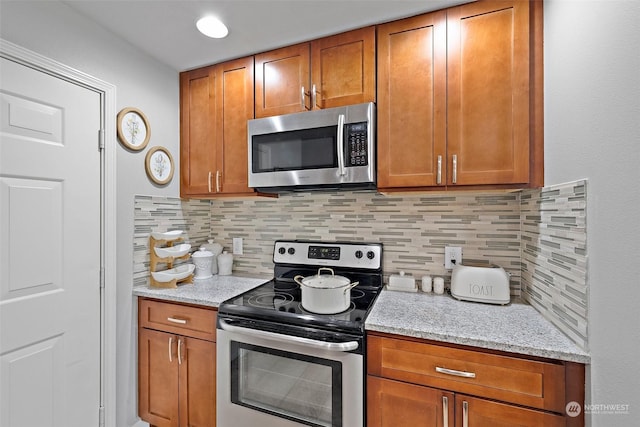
307, 342
340, 145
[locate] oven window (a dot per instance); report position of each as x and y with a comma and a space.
295, 150
302, 388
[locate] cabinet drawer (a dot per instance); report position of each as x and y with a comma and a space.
197, 322
531, 383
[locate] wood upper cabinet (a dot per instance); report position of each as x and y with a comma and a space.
432, 381
412, 101
216, 103
197, 131
176, 364
467, 111
341, 69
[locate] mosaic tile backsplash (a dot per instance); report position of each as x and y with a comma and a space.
490, 227
554, 256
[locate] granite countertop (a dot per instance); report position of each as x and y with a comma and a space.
516, 327
209, 292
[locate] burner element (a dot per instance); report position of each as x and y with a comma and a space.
270, 299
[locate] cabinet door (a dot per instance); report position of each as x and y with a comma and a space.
234, 107
412, 102
197, 383
343, 68
396, 404
282, 81
488, 93
197, 131
157, 378
475, 412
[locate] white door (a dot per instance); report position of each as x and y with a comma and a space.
49, 250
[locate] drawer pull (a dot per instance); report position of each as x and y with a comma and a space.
179, 321
465, 413
455, 373
445, 411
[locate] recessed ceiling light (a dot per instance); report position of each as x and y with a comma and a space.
211, 26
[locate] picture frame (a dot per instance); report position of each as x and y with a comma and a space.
159, 165
133, 129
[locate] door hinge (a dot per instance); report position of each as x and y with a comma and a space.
101, 139
101, 416
102, 277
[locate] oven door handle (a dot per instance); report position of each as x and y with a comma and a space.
329, 346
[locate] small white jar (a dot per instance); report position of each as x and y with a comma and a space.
438, 285
225, 264
426, 283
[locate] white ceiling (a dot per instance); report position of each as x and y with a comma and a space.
165, 29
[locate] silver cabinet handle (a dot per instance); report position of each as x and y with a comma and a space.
445, 411
170, 345
439, 176
313, 97
179, 351
454, 178
209, 181
465, 413
340, 145
453, 372
330, 346
176, 320
302, 104
217, 181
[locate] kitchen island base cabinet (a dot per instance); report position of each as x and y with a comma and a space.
439, 384
176, 371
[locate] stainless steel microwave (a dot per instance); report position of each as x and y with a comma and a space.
314, 150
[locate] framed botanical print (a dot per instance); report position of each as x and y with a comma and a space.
133, 129
159, 165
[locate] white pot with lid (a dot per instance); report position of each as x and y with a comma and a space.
202, 259
325, 293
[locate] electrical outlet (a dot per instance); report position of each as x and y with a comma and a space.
237, 245
452, 255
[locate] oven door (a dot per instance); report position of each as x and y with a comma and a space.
270, 379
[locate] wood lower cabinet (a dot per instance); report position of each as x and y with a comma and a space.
176, 364
417, 382
395, 404
459, 98
329, 72
216, 103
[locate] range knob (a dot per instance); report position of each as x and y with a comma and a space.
358, 254
371, 255
291, 251
281, 250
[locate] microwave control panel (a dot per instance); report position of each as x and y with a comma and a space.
357, 144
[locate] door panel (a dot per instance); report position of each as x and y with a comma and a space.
488, 92
412, 101
49, 250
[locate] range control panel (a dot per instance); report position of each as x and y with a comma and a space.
339, 254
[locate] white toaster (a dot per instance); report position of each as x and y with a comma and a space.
481, 283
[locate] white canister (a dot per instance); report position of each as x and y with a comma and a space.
225, 263
202, 259
438, 285
426, 283
215, 249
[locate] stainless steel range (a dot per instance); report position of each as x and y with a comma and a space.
281, 365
